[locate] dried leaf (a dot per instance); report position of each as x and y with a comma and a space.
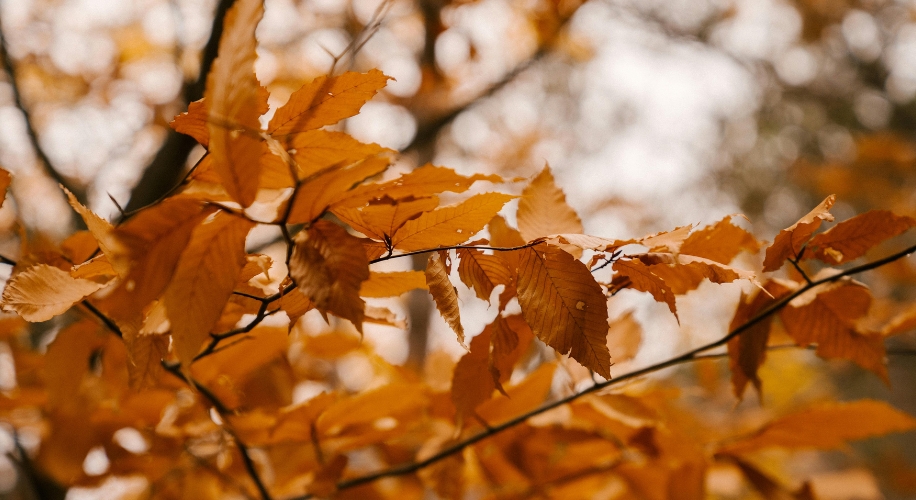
789, 241
667, 241
41, 292
683, 273
851, 238
643, 279
233, 101
317, 150
193, 122
423, 182
326, 101
327, 188
330, 265
482, 272
383, 217
295, 304
720, 242
444, 294
564, 305
5, 180
543, 211
827, 316
472, 382
597, 243
392, 284
826, 426
449, 225
624, 337
510, 338
100, 229
204, 280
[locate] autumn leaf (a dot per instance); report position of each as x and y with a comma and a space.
325, 101
449, 225
313, 197
482, 272
5, 180
193, 122
720, 242
316, 150
789, 241
444, 294
100, 229
204, 280
543, 211
851, 238
667, 241
643, 279
564, 306
232, 98
392, 284
295, 304
827, 316
423, 182
826, 426
41, 292
510, 337
330, 265
587, 242
682, 273
472, 381
624, 337
383, 217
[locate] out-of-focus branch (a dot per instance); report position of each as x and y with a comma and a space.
10, 69
168, 165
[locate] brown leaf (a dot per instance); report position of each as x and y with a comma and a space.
193, 122
720, 242
472, 382
295, 304
747, 351
585, 241
41, 292
643, 279
482, 272
5, 180
501, 235
100, 229
826, 426
317, 150
543, 211
327, 188
789, 241
330, 265
449, 225
233, 101
326, 101
624, 337
68, 361
146, 355
851, 238
683, 273
392, 284
667, 241
564, 305
510, 338
383, 217
444, 294
423, 182
204, 280
827, 316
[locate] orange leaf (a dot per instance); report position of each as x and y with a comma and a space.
543, 211
425, 181
720, 242
317, 150
295, 304
5, 180
326, 188
472, 382
100, 228
193, 122
789, 241
643, 279
564, 305
827, 316
851, 238
482, 272
826, 426
204, 280
41, 292
325, 101
232, 96
510, 338
330, 265
384, 217
392, 284
449, 225
146, 354
624, 337
585, 241
667, 241
683, 273
444, 294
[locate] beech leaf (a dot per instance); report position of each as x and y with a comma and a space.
482, 272
193, 122
472, 382
720, 242
425, 181
642, 278
392, 284
543, 211
789, 241
313, 197
41, 292
851, 238
449, 225
444, 294
564, 305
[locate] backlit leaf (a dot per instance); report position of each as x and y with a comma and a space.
543, 211
392, 284
851, 238
482, 272
232, 98
330, 265
295, 304
667, 241
683, 273
826, 426
643, 279
720, 242
472, 382
317, 150
204, 280
5, 180
425, 181
449, 225
789, 241
325, 189
385, 216
326, 101
624, 337
193, 122
100, 228
564, 305
444, 294
41, 292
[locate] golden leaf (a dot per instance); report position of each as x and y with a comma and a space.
720, 242
482, 272
643, 279
5, 180
392, 284
826, 426
851, 238
316, 195
444, 294
624, 337
41, 292
317, 150
667, 241
543, 211
204, 280
325, 101
384, 217
425, 181
193, 122
449, 225
100, 229
683, 273
472, 382
789, 241
330, 265
564, 305
232, 98
295, 304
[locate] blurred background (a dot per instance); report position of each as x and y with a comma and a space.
652, 114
